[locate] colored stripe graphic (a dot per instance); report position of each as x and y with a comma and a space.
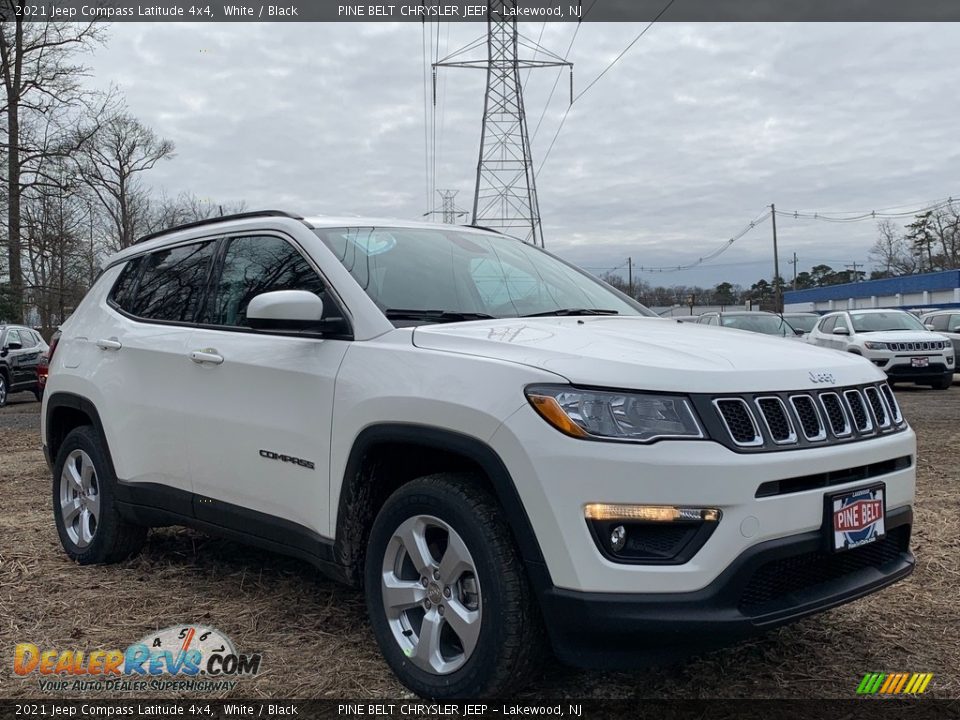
894, 683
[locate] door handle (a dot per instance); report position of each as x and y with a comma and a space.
109, 344
207, 355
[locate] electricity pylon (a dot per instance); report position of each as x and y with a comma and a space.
506, 192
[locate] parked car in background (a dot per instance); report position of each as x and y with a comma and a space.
893, 340
20, 352
946, 323
43, 369
801, 322
753, 321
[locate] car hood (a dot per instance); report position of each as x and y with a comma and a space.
650, 354
900, 336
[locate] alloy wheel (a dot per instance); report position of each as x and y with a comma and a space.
431, 594
79, 498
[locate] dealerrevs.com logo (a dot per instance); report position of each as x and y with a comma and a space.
180, 657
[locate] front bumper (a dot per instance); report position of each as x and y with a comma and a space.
770, 584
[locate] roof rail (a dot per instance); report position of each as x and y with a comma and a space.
219, 218
484, 227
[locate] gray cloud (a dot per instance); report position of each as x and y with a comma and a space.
675, 149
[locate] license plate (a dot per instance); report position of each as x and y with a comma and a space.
919, 362
856, 517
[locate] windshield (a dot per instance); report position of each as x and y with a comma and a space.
766, 324
882, 321
427, 275
803, 323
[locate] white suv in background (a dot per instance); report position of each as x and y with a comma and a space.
893, 340
505, 453
946, 323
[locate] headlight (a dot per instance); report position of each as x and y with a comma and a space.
609, 415
875, 346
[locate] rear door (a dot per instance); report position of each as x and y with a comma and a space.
262, 402
138, 356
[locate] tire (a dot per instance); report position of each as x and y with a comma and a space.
4, 389
488, 584
943, 383
38, 394
84, 484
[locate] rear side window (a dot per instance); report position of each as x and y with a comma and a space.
172, 282
122, 292
255, 265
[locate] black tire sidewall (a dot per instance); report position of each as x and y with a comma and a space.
84, 438
418, 499
6, 390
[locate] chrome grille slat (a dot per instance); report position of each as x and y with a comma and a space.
858, 411
811, 423
878, 406
739, 421
776, 419
892, 403
836, 414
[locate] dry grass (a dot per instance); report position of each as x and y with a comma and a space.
314, 634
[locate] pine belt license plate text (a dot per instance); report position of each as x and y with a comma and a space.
857, 517
919, 362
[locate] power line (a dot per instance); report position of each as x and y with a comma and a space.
597, 78
859, 216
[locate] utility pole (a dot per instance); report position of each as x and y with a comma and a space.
449, 212
630, 275
794, 263
506, 191
777, 289
853, 266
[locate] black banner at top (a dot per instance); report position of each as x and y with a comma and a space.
480, 11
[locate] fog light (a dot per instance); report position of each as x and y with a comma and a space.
618, 538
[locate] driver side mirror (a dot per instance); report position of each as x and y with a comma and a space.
13, 345
928, 326
841, 331
797, 331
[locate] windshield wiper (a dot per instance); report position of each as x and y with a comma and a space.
434, 315
573, 311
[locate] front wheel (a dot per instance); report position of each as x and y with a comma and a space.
943, 383
3, 389
448, 597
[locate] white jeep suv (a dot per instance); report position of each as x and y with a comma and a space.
504, 452
893, 340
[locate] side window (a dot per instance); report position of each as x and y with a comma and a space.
172, 282
827, 324
13, 336
954, 324
28, 339
842, 322
939, 322
255, 265
122, 293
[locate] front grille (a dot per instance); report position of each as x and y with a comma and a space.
878, 406
777, 579
836, 415
817, 481
774, 414
806, 410
739, 422
917, 346
765, 422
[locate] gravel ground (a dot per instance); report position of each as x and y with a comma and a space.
316, 641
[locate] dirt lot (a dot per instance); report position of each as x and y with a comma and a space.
314, 634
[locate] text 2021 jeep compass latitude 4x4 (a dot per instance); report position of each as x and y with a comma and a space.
506, 453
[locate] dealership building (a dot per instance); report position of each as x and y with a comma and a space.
912, 292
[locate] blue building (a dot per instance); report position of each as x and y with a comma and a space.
928, 291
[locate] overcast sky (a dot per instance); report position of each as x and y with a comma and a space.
683, 142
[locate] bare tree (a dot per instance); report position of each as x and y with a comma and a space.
112, 165
40, 80
166, 212
893, 251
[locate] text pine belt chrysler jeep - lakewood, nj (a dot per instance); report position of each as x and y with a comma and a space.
505, 453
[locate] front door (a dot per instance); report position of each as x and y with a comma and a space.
259, 435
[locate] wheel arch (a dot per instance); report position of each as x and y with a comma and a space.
66, 411
386, 456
